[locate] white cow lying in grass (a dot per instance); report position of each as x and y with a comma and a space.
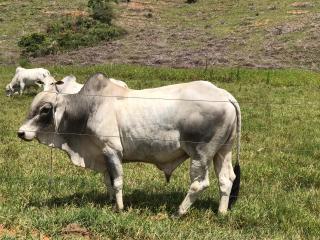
27, 77
69, 85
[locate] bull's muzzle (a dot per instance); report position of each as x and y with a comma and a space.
21, 134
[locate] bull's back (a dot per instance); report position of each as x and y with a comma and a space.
196, 90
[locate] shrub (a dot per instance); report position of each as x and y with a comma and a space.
68, 33
37, 44
72, 33
101, 10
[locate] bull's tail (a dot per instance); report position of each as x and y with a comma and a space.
236, 183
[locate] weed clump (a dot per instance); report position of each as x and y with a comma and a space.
101, 10
72, 33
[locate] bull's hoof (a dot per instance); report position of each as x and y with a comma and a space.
223, 213
178, 215
116, 209
175, 216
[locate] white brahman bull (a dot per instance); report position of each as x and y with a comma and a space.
106, 125
24, 78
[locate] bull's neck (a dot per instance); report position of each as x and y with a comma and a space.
75, 110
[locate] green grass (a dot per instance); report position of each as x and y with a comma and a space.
280, 187
224, 18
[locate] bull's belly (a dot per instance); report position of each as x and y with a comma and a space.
152, 151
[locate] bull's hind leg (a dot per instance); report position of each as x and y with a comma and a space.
224, 171
199, 174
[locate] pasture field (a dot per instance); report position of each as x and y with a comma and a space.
280, 159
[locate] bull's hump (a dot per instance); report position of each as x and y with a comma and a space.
98, 84
95, 84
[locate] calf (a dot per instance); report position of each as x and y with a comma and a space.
24, 78
69, 85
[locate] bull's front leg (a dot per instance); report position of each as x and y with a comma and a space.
115, 172
107, 181
22, 86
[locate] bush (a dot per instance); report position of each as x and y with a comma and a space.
72, 33
101, 10
37, 44
68, 33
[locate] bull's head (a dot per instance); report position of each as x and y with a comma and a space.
45, 115
40, 121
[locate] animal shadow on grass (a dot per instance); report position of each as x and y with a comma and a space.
32, 91
169, 200
137, 199
27, 93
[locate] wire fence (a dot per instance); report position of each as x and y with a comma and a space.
117, 97
268, 104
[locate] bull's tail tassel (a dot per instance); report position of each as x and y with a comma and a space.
235, 186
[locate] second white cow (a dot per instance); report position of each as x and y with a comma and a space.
69, 85
24, 78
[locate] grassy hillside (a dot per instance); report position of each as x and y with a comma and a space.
280, 187
173, 33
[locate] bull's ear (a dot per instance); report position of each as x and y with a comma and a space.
40, 82
59, 82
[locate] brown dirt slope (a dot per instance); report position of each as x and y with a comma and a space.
209, 33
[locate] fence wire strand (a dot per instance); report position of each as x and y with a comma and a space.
268, 103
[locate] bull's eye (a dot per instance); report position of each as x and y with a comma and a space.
45, 110
45, 114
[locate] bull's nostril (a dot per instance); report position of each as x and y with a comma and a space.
21, 134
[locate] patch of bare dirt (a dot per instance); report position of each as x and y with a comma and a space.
301, 4
74, 230
286, 28
298, 12
17, 233
7, 232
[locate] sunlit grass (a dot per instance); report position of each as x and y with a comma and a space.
279, 196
